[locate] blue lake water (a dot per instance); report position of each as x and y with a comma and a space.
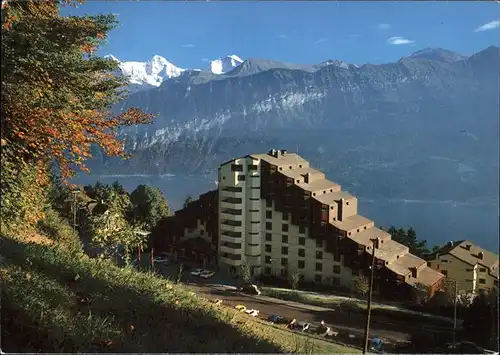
436, 221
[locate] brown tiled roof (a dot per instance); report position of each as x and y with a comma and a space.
317, 185
329, 199
403, 265
298, 173
285, 159
426, 276
389, 250
353, 222
364, 237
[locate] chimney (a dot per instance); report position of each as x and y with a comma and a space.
283, 151
467, 247
450, 244
414, 272
480, 255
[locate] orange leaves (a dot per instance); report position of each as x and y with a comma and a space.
101, 35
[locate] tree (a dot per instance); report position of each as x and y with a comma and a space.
294, 280
361, 285
409, 238
187, 201
56, 96
246, 274
148, 206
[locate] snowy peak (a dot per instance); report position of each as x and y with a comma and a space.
225, 64
150, 73
112, 57
437, 54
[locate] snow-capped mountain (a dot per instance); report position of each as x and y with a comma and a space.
150, 73
225, 64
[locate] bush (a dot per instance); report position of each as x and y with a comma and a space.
59, 230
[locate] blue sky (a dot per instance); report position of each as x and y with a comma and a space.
190, 33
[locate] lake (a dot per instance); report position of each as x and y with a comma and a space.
436, 221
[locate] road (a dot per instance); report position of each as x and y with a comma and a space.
338, 321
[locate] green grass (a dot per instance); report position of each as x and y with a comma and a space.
58, 300
353, 304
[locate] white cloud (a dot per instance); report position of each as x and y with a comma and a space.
321, 40
189, 45
398, 40
384, 26
281, 36
488, 26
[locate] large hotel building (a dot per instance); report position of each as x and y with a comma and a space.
281, 216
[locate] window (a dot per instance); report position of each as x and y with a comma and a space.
444, 272
482, 269
469, 270
355, 272
301, 278
284, 273
302, 253
285, 216
319, 267
269, 203
269, 214
482, 281
284, 227
267, 270
317, 278
202, 232
302, 229
236, 167
335, 281
302, 241
319, 255
241, 177
268, 259
268, 248
269, 226
252, 167
336, 257
284, 250
319, 243
284, 239
302, 264
284, 262
336, 269
269, 237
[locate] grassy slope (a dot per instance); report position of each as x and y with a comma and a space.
55, 300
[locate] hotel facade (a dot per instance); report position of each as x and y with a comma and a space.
280, 216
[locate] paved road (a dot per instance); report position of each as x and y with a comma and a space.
339, 321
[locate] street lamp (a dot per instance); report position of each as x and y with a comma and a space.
74, 192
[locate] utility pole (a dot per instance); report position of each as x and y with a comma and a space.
455, 294
369, 306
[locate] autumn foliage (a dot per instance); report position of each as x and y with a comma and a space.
56, 94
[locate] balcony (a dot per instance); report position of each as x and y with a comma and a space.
230, 248
231, 193
253, 249
227, 214
231, 202
231, 259
231, 237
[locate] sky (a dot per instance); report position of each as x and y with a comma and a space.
189, 34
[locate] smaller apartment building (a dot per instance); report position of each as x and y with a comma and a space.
473, 268
280, 216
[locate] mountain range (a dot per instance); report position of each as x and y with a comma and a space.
425, 126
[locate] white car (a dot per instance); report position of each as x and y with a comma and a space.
160, 260
196, 272
252, 312
207, 274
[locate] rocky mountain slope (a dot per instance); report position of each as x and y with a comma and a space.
430, 118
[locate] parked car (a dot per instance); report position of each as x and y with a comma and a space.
196, 272
300, 326
252, 312
206, 274
250, 289
160, 260
240, 308
278, 319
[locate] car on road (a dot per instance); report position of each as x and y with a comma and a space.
275, 319
206, 274
161, 260
300, 326
196, 272
252, 312
240, 308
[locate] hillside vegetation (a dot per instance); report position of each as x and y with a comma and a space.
56, 299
